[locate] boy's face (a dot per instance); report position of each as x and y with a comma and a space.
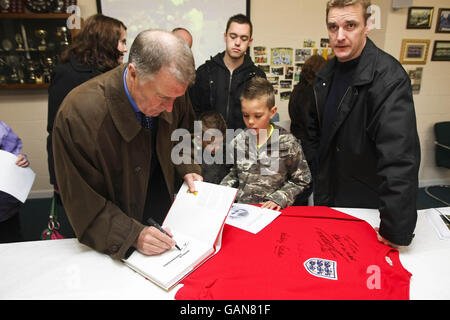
257, 115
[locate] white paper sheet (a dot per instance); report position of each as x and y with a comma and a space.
15, 180
250, 218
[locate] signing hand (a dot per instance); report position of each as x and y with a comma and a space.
151, 241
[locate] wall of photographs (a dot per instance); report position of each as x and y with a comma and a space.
416, 51
283, 65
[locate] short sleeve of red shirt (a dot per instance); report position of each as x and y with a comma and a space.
306, 253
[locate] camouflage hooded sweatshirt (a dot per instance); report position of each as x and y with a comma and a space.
275, 171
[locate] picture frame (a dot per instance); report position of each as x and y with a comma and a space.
443, 21
414, 51
419, 17
441, 50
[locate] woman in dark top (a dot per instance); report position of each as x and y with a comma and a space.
301, 96
299, 104
98, 47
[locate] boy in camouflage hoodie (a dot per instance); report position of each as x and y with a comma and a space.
269, 165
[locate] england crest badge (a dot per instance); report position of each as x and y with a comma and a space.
321, 268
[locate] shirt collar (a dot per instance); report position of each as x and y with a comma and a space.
130, 98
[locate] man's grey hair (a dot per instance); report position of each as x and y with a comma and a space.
154, 49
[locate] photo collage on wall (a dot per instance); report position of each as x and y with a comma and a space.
283, 65
415, 51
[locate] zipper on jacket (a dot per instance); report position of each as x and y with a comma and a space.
228, 97
317, 108
340, 103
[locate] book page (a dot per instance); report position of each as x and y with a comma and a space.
196, 221
201, 215
15, 180
169, 267
250, 218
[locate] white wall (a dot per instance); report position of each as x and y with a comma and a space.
285, 23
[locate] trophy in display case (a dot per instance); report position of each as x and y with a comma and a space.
31, 72
19, 42
7, 45
3, 69
41, 34
63, 36
15, 73
30, 44
47, 64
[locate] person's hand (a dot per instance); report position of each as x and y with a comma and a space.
385, 241
151, 241
270, 205
190, 178
22, 161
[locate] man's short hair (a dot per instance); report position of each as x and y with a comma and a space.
180, 29
241, 19
344, 3
259, 88
154, 49
213, 120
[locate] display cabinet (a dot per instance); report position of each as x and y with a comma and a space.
30, 46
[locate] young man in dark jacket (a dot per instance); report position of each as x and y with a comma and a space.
219, 81
363, 128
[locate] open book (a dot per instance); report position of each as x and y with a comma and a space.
196, 222
440, 220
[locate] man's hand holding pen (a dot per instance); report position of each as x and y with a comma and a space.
151, 241
155, 240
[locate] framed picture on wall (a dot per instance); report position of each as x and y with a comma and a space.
443, 20
414, 51
419, 17
441, 51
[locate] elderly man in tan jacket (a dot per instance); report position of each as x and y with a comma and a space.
112, 146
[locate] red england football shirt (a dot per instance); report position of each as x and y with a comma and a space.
306, 253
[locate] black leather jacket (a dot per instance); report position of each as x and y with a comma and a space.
216, 89
372, 157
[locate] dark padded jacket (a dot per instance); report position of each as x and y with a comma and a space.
372, 156
66, 76
217, 89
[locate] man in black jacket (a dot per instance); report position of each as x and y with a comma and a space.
363, 129
219, 81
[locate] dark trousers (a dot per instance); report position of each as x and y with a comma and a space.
10, 230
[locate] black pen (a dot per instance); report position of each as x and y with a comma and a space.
155, 224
